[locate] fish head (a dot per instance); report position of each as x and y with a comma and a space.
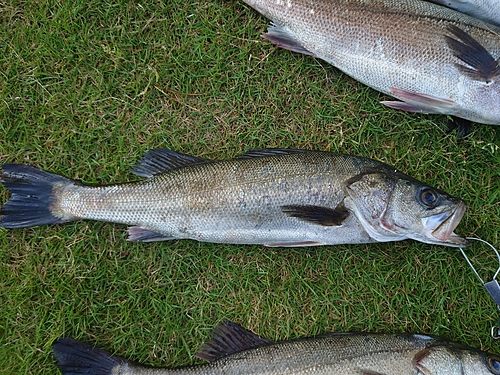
455, 359
392, 206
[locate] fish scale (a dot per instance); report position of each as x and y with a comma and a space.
221, 201
234, 350
398, 47
270, 197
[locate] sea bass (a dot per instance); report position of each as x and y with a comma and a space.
234, 350
433, 59
486, 10
273, 197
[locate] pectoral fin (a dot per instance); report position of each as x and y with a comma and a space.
317, 215
282, 38
416, 102
481, 65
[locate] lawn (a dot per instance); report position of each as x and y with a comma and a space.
86, 87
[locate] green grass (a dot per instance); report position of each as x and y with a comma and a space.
86, 87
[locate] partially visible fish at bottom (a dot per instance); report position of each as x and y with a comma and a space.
234, 350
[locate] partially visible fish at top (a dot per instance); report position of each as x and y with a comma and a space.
432, 58
486, 10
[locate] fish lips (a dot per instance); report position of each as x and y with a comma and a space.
440, 227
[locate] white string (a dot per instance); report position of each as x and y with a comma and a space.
470, 264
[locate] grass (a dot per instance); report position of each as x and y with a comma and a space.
87, 87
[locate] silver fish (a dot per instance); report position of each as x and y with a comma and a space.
234, 350
271, 197
433, 59
486, 10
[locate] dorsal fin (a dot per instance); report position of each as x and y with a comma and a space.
229, 338
159, 160
482, 66
263, 152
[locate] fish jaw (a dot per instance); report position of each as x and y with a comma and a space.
439, 228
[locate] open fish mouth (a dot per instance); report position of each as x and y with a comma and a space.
442, 226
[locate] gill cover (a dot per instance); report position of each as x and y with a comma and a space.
455, 359
393, 206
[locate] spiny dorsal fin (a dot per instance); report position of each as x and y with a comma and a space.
229, 338
160, 160
481, 65
317, 215
263, 152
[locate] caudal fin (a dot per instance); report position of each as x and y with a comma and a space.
32, 196
77, 358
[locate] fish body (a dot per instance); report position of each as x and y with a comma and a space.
234, 350
433, 59
486, 10
270, 197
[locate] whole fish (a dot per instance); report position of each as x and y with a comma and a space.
234, 350
433, 59
486, 10
273, 197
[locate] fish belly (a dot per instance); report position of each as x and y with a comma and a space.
225, 203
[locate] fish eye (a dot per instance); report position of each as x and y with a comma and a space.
494, 364
428, 197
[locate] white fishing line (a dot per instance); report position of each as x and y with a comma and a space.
492, 287
470, 264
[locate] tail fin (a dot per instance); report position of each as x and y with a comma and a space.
77, 358
30, 204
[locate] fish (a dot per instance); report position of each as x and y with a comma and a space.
486, 10
235, 350
433, 59
274, 197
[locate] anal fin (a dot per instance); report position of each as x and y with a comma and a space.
138, 234
294, 244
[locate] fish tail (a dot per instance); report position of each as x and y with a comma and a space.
32, 198
77, 358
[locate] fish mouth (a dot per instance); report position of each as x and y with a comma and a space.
442, 225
